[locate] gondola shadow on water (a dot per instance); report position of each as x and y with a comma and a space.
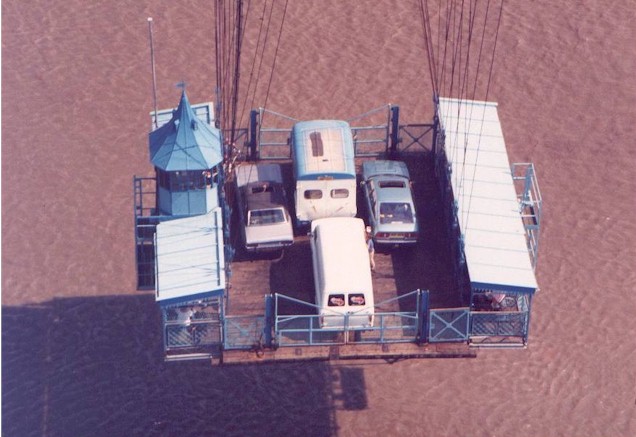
94, 366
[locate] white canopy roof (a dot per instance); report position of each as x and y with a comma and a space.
488, 210
190, 263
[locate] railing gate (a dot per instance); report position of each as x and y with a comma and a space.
449, 325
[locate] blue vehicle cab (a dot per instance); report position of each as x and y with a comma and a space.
387, 189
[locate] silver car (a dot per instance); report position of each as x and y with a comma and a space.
265, 221
387, 190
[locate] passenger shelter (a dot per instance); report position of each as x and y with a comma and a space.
190, 279
493, 263
187, 154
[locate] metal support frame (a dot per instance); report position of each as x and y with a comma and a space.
144, 194
269, 137
424, 308
262, 140
253, 135
415, 134
530, 204
394, 121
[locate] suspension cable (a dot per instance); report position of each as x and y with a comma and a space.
251, 76
280, 33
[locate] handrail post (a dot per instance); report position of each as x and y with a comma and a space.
422, 314
395, 130
435, 123
269, 316
253, 140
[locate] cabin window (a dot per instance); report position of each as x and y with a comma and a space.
313, 194
163, 179
356, 299
317, 148
395, 212
184, 180
339, 193
336, 300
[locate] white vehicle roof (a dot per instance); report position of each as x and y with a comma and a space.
344, 254
384, 168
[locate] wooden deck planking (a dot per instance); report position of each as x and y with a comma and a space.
389, 352
399, 271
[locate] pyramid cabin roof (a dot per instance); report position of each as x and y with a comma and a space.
185, 142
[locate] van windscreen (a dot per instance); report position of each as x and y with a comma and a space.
356, 299
336, 300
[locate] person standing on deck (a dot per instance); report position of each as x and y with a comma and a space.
371, 248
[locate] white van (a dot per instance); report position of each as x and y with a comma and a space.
342, 274
324, 170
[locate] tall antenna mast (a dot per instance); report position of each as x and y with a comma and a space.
154, 75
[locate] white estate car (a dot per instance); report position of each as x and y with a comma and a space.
265, 221
387, 190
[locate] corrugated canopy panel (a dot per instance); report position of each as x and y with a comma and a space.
185, 142
494, 236
323, 148
189, 258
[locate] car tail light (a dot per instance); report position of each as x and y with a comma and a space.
382, 235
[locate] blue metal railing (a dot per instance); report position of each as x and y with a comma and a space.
305, 330
196, 334
417, 137
499, 323
243, 332
449, 325
273, 143
388, 327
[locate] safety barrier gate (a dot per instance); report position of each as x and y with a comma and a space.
416, 324
449, 325
388, 327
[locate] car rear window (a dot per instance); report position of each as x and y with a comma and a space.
266, 216
262, 188
392, 184
395, 212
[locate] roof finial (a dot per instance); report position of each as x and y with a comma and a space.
181, 85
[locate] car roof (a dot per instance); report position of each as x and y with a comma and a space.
392, 194
272, 197
248, 173
371, 169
